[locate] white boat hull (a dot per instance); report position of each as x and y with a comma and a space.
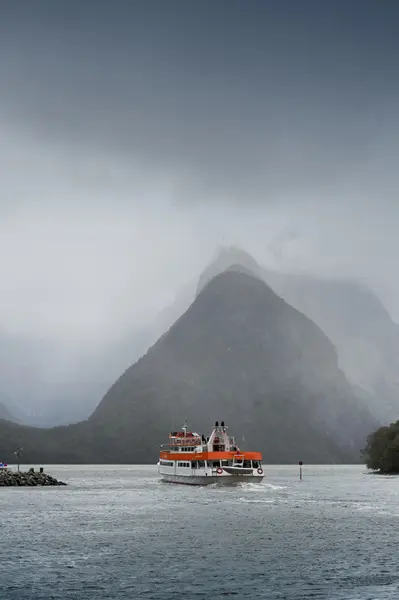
211, 479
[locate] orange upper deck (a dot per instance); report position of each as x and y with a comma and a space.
184, 445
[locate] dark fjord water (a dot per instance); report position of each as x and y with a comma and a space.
118, 533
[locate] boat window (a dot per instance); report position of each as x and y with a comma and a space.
227, 463
247, 464
255, 464
216, 463
201, 464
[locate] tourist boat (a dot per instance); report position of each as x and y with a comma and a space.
194, 459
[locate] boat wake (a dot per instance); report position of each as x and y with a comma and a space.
257, 501
262, 487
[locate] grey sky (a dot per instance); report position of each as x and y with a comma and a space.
135, 136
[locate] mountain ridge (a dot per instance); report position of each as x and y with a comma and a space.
368, 360
239, 352
202, 356
351, 315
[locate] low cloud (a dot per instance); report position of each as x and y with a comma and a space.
134, 142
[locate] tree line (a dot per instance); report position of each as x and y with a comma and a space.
382, 450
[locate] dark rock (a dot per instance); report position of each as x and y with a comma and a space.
12, 478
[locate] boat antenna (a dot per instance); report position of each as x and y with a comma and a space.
185, 426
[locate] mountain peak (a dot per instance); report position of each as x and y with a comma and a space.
229, 258
239, 350
242, 351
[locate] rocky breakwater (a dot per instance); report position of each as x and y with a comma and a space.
29, 478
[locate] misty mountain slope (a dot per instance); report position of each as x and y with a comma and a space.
239, 353
50, 382
242, 354
366, 337
68, 444
351, 315
6, 414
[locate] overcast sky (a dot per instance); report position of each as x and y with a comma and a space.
136, 136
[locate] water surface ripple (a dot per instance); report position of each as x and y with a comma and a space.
117, 532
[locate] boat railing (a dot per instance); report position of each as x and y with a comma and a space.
185, 442
179, 447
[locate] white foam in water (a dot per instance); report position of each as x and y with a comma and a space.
276, 488
262, 487
256, 501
